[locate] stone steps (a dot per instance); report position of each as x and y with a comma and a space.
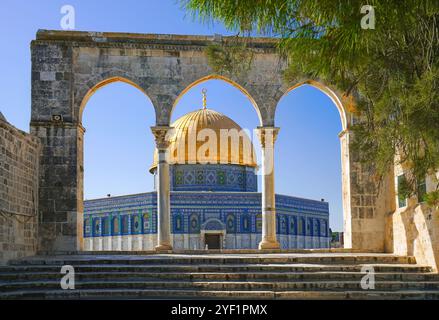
219, 259
221, 268
219, 276
221, 285
204, 294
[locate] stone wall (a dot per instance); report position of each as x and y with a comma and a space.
415, 227
18, 192
367, 202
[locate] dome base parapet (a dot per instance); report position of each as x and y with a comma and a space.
212, 177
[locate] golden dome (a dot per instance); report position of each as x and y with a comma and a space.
238, 147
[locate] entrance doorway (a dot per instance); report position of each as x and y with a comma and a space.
212, 241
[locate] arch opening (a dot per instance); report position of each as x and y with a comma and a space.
228, 100
310, 165
117, 149
117, 120
85, 97
331, 94
219, 78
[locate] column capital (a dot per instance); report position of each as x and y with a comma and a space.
267, 135
161, 136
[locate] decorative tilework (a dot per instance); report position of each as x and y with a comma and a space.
194, 223
212, 177
259, 223
87, 227
240, 212
106, 231
178, 225
302, 227
309, 229
283, 224
230, 223
125, 224
213, 224
245, 223
97, 227
293, 225
200, 177
116, 225
178, 177
189, 177
136, 225
221, 177
316, 227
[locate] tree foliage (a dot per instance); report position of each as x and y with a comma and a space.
231, 58
392, 70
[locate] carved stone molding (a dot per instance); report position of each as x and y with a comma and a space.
267, 135
161, 136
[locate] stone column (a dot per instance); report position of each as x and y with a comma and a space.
267, 136
163, 190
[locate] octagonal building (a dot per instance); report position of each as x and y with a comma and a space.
215, 202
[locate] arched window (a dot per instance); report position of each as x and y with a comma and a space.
302, 230
246, 223
87, 227
116, 229
125, 224
324, 229
146, 222
135, 224
309, 231
283, 224
230, 223
194, 225
317, 227
259, 223
293, 226
105, 226
178, 223
96, 227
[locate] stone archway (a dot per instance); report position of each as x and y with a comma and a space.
67, 67
236, 85
365, 208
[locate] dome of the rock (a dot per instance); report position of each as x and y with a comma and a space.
213, 194
208, 151
190, 141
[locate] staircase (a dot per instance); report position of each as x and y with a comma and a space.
310, 275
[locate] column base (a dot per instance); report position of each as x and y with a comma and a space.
264, 244
163, 247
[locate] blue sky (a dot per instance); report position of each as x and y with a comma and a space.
118, 141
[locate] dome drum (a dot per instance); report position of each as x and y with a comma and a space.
227, 163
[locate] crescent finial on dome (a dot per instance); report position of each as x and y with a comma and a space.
204, 91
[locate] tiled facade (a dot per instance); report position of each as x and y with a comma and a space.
213, 177
130, 222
